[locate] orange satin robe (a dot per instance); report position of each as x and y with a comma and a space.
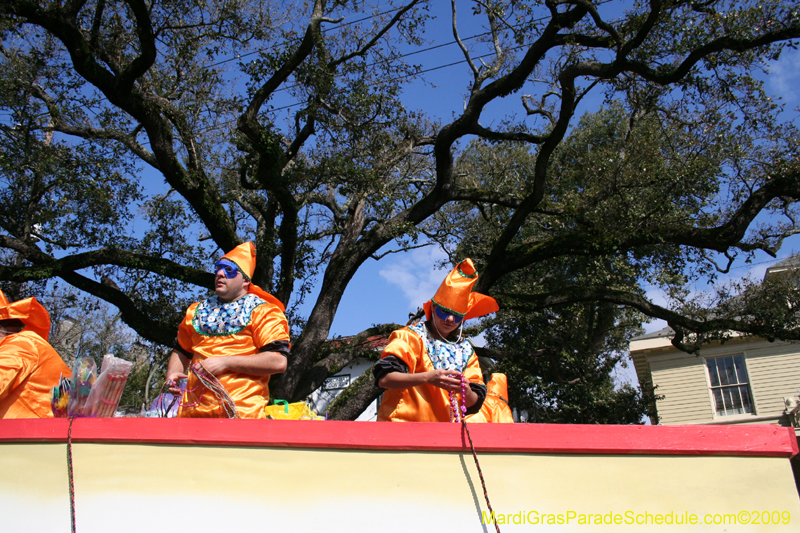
29, 369
424, 403
250, 393
495, 408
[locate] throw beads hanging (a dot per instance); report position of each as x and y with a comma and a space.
458, 413
163, 409
458, 410
211, 383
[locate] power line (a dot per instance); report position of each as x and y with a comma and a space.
408, 76
286, 42
402, 56
435, 47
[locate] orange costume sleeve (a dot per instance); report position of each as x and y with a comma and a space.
29, 369
250, 392
495, 408
423, 403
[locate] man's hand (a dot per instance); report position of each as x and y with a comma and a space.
216, 365
449, 380
176, 370
172, 380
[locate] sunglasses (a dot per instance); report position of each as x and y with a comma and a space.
228, 269
444, 315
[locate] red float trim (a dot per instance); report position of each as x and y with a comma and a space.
748, 440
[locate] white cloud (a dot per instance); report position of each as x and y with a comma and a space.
784, 75
416, 275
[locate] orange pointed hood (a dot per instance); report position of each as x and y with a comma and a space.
244, 257
455, 294
29, 312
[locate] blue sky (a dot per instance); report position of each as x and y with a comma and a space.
781, 80
388, 290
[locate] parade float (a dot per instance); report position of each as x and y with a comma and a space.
158, 474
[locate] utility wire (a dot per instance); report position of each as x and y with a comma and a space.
402, 56
324, 31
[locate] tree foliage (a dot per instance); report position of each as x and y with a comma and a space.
143, 139
561, 364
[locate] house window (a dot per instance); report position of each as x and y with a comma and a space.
730, 387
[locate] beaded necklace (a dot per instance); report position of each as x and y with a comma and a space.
162, 408
210, 382
448, 355
457, 413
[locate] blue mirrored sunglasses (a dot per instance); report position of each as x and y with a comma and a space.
228, 269
443, 315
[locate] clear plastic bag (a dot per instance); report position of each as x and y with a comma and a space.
84, 373
107, 389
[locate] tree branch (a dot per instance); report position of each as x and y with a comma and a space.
351, 402
711, 328
46, 267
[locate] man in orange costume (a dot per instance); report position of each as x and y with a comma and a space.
424, 364
240, 335
29, 366
495, 408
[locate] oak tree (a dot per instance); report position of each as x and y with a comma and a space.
144, 138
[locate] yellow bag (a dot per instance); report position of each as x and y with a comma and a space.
283, 410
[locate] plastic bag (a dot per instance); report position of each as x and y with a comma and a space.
107, 389
283, 410
84, 373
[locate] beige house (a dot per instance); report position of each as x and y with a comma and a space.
746, 380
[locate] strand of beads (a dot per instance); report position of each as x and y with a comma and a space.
216, 388
163, 409
458, 412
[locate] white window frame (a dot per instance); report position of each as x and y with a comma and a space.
712, 388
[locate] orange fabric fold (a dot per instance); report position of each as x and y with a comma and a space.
495, 408
454, 294
31, 313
